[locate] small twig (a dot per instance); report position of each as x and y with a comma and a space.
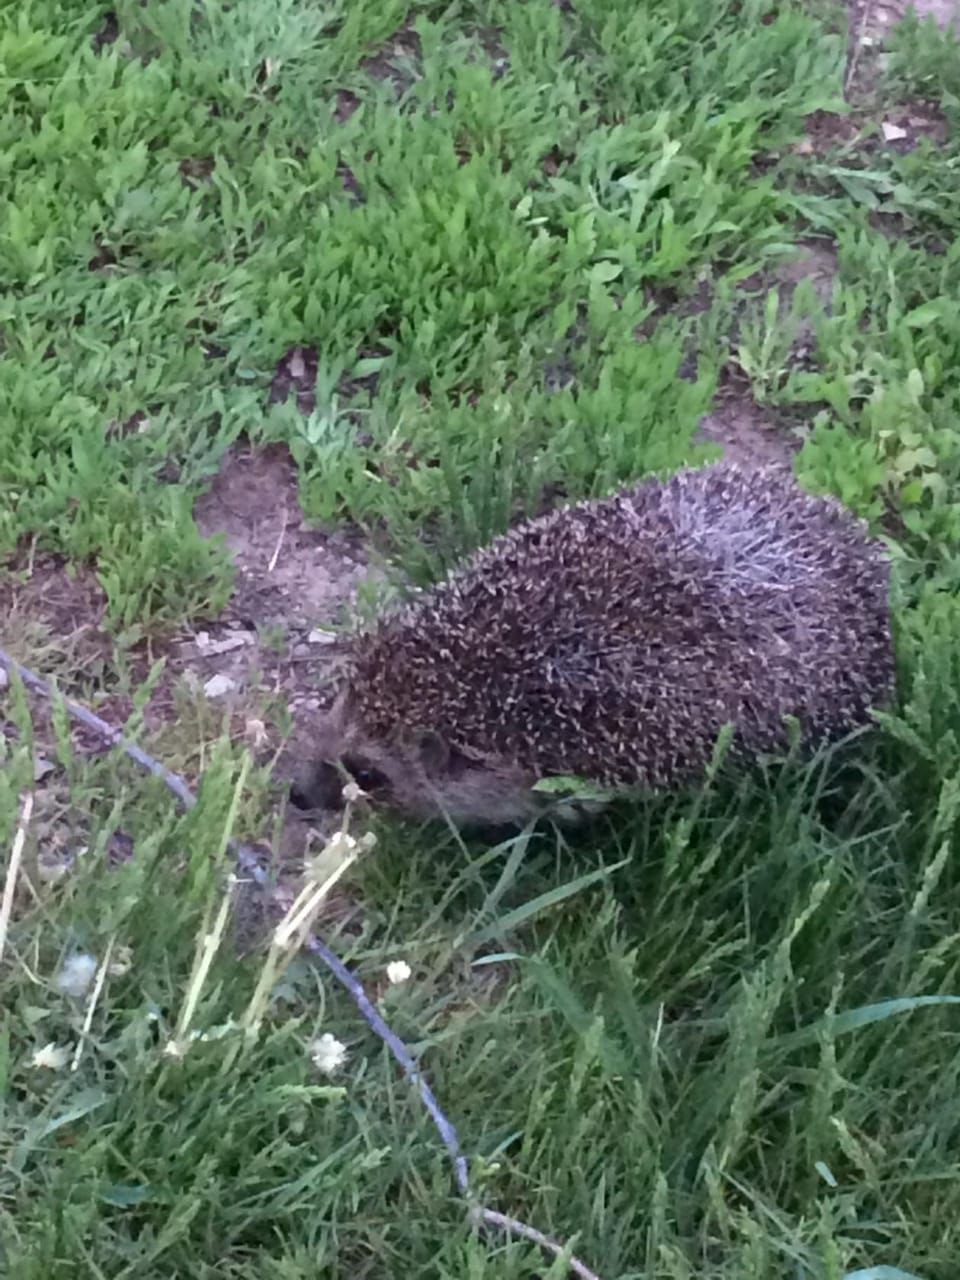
865, 14
249, 864
401, 1053
13, 870
494, 1219
116, 739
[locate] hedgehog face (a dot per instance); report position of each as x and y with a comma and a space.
418, 773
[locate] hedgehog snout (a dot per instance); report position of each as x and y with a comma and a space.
322, 787
319, 788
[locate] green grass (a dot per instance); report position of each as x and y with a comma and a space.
650, 1066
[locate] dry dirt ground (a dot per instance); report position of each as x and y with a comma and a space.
273, 651
268, 658
875, 18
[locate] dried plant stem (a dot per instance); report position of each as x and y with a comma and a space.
208, 946
13, 868
92, 1003
865, 16
276, 551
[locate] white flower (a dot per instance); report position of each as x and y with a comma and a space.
52, 1056
121, 962
398, 971
77, 973
328, 1053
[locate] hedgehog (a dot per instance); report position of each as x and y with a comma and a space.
612, 641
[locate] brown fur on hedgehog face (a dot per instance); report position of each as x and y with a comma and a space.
420, 774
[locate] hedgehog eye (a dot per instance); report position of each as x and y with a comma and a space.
366, 777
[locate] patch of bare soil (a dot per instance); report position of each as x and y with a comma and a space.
293, 583
825, 132
288, 574
748, 434
56, 610
877, 17
815, 261
866, 124
273, 652
397, 61
107, 33
870, 23
902, 127
490, 41
296, 374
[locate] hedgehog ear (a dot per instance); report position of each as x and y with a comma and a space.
432, 750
